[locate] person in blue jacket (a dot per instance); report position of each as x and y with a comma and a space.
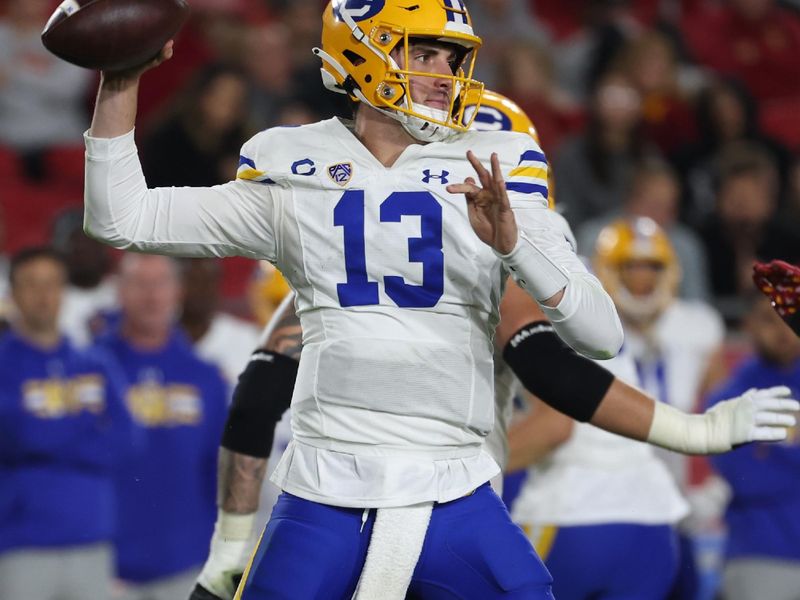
167, 494
63, 432
763, 516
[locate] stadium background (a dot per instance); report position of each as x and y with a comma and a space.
696, 83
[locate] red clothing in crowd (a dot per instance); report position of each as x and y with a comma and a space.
762, 53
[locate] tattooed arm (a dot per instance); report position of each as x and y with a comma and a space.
262, 395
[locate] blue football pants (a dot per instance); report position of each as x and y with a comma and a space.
472, 550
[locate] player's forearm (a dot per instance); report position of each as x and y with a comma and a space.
625, 411
115, 109
240, 478
531, 440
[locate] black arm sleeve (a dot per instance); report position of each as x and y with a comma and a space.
551, 370
262, 394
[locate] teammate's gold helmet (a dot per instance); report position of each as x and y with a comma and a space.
638, 243
358, 37
494, 112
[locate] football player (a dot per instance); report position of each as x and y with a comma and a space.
592, 490
398, 282
265, 388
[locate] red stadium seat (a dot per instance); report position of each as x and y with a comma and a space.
28, 211
9, 164
64, 166
781, 120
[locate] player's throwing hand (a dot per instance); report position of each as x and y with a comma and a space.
489, 209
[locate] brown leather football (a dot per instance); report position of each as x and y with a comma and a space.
112, 35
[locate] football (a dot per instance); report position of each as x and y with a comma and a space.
112, 35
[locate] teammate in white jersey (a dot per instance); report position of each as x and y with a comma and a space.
394, 389
676, 346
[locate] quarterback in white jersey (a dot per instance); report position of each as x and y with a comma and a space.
398, 282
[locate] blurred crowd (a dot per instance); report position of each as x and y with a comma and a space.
680, 111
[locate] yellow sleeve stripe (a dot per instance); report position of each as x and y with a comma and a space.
532, 172
250, 174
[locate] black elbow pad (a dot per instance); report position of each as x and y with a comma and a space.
262, 394
551, 370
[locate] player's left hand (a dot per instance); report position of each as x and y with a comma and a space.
488, 207
758, 415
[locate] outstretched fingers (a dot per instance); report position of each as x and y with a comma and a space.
768, 434
499, 183
483, 175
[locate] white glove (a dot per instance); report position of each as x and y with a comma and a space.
228, 555
758, 415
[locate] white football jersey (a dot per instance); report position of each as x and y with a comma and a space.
397, 297
671, 362
598, 477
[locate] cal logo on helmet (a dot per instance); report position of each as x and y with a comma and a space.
358, 10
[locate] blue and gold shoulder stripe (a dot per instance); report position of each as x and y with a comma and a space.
530, 175
248, 171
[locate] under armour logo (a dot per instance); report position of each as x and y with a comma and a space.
442, 178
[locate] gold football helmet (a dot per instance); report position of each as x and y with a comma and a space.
358, 37
494, 112
637, 265
265, 291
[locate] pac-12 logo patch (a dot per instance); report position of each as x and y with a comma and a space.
341, 173
358, 10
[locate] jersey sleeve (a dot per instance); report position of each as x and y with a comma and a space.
234, 219
527, 181
544, 261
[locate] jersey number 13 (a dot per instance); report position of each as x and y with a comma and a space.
358, 290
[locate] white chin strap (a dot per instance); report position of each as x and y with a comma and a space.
421, 128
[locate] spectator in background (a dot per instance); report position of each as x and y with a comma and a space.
198, 145
167, 496
91, 284
651, 62
273, 79
763, 516
305, 30
726, 114
593, 170
63, 432
5, 300
503, 23
524, 71
745, 226
218, 337
655, 193
42, 98
755, 41
584, 56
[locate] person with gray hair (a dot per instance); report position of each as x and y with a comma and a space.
166, 506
